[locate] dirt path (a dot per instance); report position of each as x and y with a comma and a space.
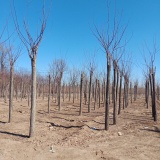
66, 136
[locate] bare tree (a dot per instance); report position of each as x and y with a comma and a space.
13, 55
61, 67
74, 75
81, 91
135, 89
111, 42
152, 69
91, 71
32, 48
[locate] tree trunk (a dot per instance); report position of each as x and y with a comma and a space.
102, 92
59, 96
63, 91
131, 90
117, 85
114, 95
33, 98
73, 90
124, 90
147, 94
151, 92
93, 91
107, 94
21, 89
120, 93
135, 92
126, 93
49, 93
154, 98
99, 93
85, 92
158, 93
95, 96
11, 93
89, 97
104, 101
81, 92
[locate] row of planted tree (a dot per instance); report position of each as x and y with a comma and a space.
92, 91
86, 89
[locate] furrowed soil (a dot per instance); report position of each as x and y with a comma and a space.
65, 135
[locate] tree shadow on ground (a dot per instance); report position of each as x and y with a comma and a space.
69, 120
156, 129
71, 126
14, 134
3, 122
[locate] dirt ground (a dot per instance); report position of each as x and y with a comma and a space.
65, 135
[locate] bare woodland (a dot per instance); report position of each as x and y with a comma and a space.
87, 114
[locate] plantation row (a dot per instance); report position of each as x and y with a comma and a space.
115, 87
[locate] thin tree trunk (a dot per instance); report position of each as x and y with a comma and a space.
85, 92
151, 92
147, 94
104, 101
33, 98
89, 97
73, 89
131, 90
117, 85
49, 93
95, 96
59, 94
99, 94
21, 89
114, 95
124, 90
11, 93
107, 94
158, 93
120, 93
81, 92
63, 91
126, 93
102, 92
154, 98
135, 92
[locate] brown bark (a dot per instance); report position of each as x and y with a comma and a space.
107, 93
89, 96
99, 93
114, 94
131, 90
120, 94
95, 97
81, 92
49, 93
33, 97
154, 98
11, 92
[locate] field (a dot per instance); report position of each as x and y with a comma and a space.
65, 135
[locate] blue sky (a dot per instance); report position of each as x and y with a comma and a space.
69, 30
